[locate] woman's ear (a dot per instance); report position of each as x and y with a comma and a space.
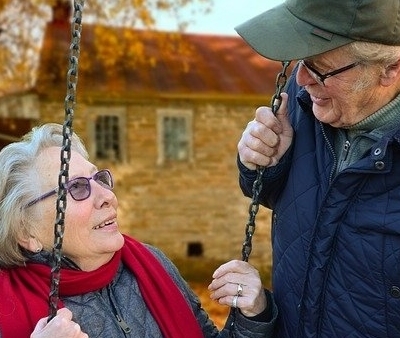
31, 244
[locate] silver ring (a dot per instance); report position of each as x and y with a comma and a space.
234, 301
239, 290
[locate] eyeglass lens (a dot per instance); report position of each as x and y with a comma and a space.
320, 78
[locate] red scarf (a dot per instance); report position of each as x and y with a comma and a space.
24, 292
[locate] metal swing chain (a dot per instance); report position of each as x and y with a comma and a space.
276, 100
69, 104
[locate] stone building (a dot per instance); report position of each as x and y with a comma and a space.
167, 129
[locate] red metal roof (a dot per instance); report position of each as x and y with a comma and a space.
208, 64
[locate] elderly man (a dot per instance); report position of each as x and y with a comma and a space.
332, 166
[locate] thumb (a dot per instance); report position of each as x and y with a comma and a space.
283, 116
65, 313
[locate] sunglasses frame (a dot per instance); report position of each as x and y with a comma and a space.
69, 187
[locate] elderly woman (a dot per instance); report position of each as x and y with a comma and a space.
111, 285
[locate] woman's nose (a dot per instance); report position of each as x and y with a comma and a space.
103, 195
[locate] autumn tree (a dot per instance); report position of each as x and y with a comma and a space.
22, 24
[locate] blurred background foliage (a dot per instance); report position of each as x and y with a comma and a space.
22, 25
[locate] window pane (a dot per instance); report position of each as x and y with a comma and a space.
175, 138
107, 138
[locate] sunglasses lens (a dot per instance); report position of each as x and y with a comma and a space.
79, 188
104, 178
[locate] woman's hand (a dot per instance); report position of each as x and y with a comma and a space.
238, 284
61, 326
266, 138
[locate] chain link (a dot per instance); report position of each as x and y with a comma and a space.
69, 104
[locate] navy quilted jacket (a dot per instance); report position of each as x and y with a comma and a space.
335, 238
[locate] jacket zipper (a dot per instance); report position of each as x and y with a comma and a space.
345, 150
121, 322
332, 152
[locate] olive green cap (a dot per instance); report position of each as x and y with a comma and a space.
298, 29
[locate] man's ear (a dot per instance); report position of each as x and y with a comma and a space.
391, 74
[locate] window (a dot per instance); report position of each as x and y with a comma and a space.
195, 249
174, 135
107, 134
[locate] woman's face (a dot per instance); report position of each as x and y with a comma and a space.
91, 234
340, 103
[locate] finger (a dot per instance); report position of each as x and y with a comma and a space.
223, 286
232, 266
65, 313
252, 152
231, 289
262, 138
229, 275
267, 120
230, 285
40, 325
219, 288
251, 159
261, 132
237, 302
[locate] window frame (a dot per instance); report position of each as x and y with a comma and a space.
94, 113
187, 115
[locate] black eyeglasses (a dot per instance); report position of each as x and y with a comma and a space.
79, 187
320, 78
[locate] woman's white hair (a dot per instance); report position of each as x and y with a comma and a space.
18, 185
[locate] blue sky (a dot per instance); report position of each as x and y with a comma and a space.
225, 15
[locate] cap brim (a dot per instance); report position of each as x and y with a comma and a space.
279, 35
